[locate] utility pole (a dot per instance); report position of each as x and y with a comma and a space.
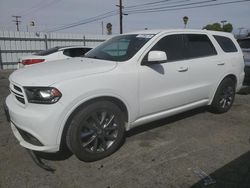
121, 15
17, 21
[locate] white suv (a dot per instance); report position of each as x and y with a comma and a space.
88, 103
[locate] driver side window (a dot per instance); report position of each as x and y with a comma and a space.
172, 45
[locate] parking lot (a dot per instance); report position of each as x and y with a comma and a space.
192, 149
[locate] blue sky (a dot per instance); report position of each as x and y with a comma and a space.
49, 14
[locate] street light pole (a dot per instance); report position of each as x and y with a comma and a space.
223, 22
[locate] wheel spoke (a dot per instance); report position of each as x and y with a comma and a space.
85, 134
110, 128
224, 103
104, 115
110, 137
109, 122
89, 141
104, 143
95, 145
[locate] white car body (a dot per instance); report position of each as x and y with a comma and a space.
58, 54
147, 93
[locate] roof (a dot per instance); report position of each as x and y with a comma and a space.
158, 31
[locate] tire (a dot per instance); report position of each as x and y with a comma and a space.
96, 131
224, 96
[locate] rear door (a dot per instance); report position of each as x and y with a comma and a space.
205, 66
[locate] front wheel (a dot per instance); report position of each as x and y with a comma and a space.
96, 131
224, 96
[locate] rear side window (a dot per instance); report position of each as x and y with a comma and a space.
76, 52
226, 43
198, 45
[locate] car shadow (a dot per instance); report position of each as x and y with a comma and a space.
245, 90
162, 122
61, 155
235, 174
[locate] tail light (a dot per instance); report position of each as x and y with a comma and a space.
32, 61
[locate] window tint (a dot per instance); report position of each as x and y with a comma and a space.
226, 44
76, 52
198, 45
244, 43
172, 45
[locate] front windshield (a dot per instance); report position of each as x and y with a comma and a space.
120, 48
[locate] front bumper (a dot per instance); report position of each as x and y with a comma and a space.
38, 121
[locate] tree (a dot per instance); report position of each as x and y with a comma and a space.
228, 28
217, 27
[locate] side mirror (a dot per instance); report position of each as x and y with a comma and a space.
157, 57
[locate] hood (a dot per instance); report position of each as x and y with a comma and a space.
48, 73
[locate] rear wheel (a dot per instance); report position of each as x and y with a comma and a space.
224, 96
96, 131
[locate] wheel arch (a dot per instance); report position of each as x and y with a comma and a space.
121, 104
231, 76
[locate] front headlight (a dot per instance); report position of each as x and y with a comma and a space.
42, 95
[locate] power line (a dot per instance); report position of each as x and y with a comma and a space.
37, 7
155, 3
191, 7
32, 7
173, 6
85, 21
108, 14
208, 3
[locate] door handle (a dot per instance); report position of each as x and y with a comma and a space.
183, 69
221, 63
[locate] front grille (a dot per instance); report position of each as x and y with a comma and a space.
20, 99
18, 93
18, 88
